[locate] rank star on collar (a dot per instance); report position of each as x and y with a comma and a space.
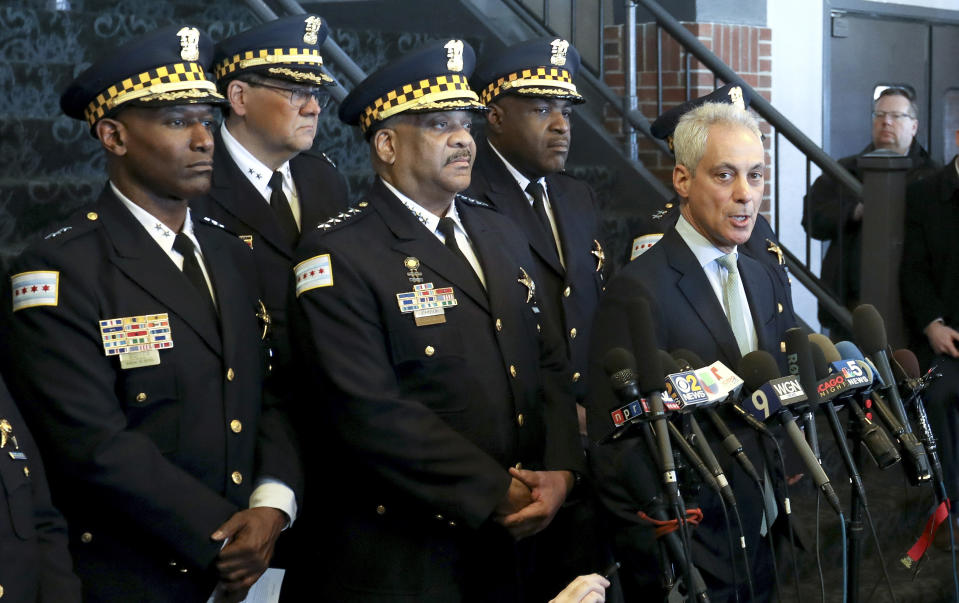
162, 229
253, 172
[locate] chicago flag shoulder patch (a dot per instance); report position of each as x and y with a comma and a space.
313, 273
35, 288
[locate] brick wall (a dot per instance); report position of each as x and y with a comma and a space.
746, 49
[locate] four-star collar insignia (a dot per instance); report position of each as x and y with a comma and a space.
342, 216
527, 282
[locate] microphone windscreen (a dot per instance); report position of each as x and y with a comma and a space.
829, 349
669, 364
618, 359
868, 329
649, 369
756, 368
690, 356
819, 363
908, 361
848, 350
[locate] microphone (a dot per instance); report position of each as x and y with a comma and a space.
870, 333
770, 398
730, 442
620, 367
650, 380
908, 364
877, 441
799, 362
917, 469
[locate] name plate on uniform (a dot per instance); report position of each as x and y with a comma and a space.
426, 303
137, 340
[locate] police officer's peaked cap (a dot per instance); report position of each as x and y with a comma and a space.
539, 68
433, 78
733, 94
286, 49
164, 67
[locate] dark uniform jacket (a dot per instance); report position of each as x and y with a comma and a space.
568, 295
427, 419
827, 215
929, 275
233, 201
145, 462
34, 560
688, 315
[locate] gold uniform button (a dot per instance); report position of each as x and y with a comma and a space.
26, 471
452, 524
141, 397
172, 563
567, 291
237, 477
184, 570
236, 426
572, 333
1, 590
520, 419
92, 216
576, 377
380, 509
669, 206
430, 350
539, 329
782, 347
779, 307
362, 203
438, 517
86, 538
512, 370
230, 374
499, 324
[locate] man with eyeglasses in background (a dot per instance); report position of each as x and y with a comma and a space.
832, 213
269, 185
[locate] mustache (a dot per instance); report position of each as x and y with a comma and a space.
457, 156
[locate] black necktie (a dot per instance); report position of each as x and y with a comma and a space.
535, 190
281, 207
191, 268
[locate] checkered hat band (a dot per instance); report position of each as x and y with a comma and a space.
539, 76
268, 56
178, 76
415, 95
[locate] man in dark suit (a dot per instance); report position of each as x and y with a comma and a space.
832, 213
763, 245
520, 170
704, 298
929, 282
450, 414
134, 336
36, 564
268, 185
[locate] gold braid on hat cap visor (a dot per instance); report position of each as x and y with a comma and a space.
432, 94
545, 80
274, 56
169, 82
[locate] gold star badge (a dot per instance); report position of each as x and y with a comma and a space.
526, 281
6, 432
264, 317
773, 248
600, 255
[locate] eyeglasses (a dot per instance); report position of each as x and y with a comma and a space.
299, 97
894, 115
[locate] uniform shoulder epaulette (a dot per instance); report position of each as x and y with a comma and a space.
343, 218
320, 155
473, 202
76, 225
214, 224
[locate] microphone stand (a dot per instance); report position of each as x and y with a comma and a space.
857, 499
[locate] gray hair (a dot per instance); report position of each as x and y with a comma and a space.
689, 139
903, 92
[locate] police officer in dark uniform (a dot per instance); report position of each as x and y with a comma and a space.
36, 563
520, 170
451, 414
763, 245
134, 335
268, 185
